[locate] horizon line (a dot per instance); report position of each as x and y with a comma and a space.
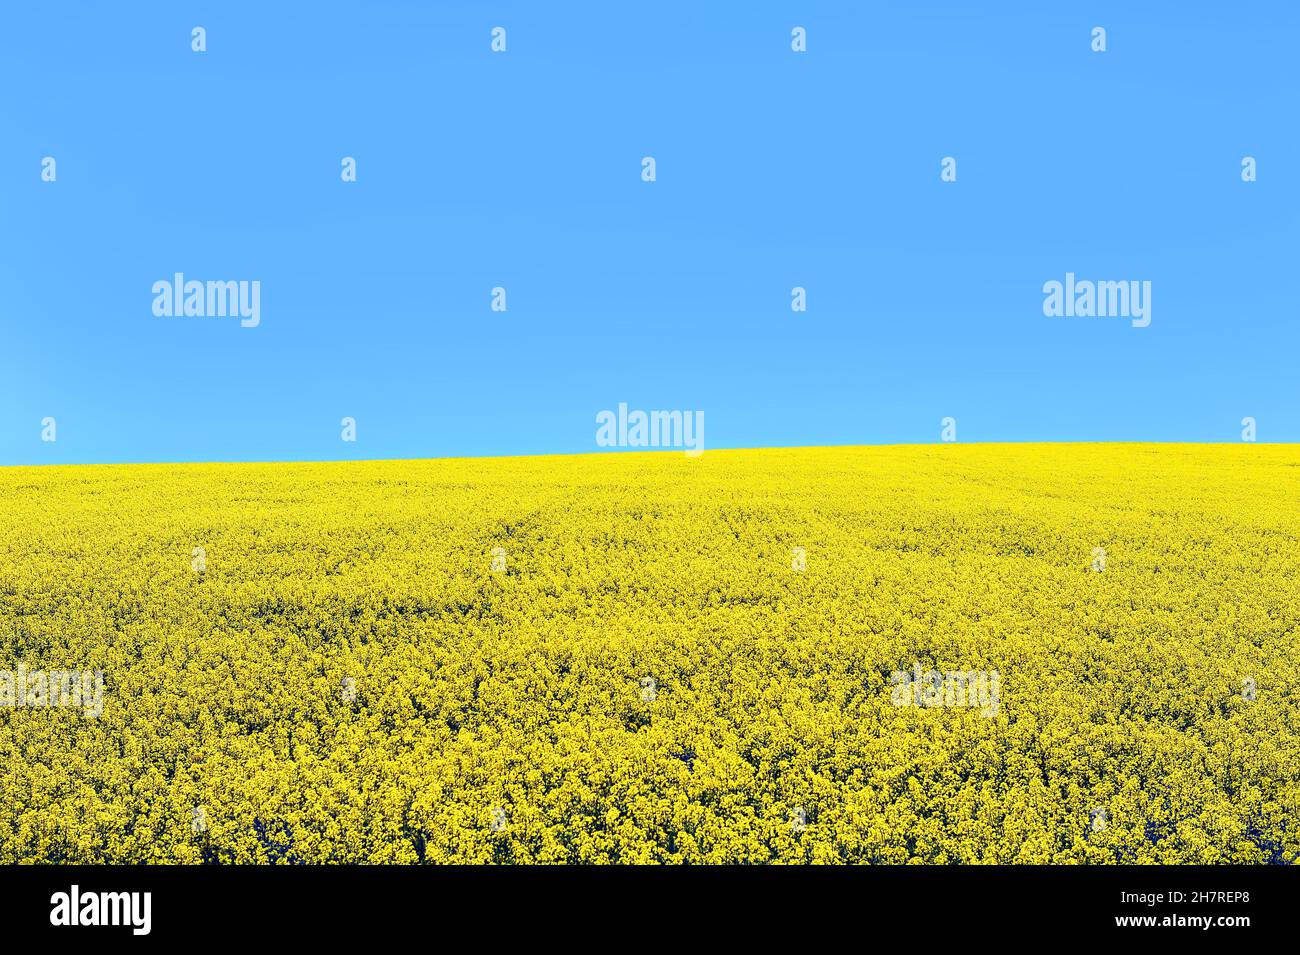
634, 451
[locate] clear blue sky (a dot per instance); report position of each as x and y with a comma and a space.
523, 170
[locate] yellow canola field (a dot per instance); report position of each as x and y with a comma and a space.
319, 663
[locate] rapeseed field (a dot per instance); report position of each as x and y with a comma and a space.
743, 657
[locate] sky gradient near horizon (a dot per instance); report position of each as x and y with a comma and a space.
523, 170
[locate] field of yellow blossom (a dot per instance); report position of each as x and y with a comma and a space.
656, 658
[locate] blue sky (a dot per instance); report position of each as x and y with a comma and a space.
522, 169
